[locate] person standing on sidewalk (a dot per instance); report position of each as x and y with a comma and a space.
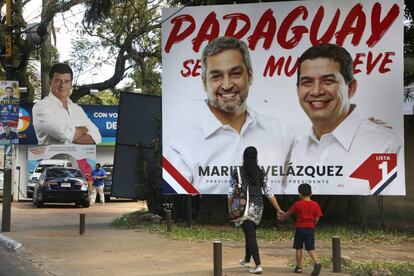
98, 175
307, 214
255, 179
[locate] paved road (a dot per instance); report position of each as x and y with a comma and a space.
51, 239
12, 264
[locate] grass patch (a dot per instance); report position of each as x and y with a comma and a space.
130, 221
366, 268
354, 234
379, 268
266, 233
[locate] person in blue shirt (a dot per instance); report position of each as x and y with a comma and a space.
98, 175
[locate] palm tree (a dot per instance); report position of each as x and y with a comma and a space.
408, 94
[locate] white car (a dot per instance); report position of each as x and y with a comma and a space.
39, 169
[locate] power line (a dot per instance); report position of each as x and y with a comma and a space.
34, 11
38, 24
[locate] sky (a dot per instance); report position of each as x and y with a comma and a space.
65, 25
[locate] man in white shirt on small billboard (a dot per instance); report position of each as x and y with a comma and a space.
58, 120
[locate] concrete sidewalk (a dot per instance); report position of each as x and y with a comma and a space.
50, 237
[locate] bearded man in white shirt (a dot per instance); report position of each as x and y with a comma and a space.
206, 152
58, 120
340, 137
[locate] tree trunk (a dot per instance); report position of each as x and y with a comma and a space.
45, 55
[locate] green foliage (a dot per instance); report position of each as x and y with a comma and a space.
363, 268
149, 173
231, 233
83, 56
408, 54
127, 221
408, 94
134, 25
353, 234
370, 267
106, 97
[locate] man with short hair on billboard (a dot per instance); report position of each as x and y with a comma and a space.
339, 136
58, 120
8, 95
206, 151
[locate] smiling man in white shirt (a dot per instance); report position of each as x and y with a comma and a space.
56, 119
207, 151
340, 139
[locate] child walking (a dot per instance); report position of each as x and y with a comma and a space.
307, 214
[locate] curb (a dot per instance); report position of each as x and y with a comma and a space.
9, 243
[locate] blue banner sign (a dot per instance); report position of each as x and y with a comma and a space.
103, 116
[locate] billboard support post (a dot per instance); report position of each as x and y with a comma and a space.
364, 214
189, 210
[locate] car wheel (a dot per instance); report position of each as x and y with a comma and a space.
85, 204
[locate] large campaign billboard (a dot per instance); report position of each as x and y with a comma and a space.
335, 121
104, 117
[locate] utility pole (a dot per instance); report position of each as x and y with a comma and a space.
9, 40
6, 213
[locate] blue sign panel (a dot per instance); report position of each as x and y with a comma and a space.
103, 116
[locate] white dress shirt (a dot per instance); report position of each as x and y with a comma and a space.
349, 145
205, 152
54, 125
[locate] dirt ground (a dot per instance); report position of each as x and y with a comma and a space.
51, 241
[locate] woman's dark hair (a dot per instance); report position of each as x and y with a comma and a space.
251, 167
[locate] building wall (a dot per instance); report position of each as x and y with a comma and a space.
21, 174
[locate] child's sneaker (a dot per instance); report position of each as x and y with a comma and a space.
244, 263
257, 270
316, 269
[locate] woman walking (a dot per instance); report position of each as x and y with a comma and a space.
253, 178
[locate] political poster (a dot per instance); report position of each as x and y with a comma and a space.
331, 119
82, 157
9, 112
103, 117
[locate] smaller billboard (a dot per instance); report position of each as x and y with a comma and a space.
81, 156
103, 117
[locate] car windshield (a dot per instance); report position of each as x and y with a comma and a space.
41, 168
63, 172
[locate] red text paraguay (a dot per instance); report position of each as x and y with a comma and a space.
290, 33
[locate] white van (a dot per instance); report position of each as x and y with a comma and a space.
39, 169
